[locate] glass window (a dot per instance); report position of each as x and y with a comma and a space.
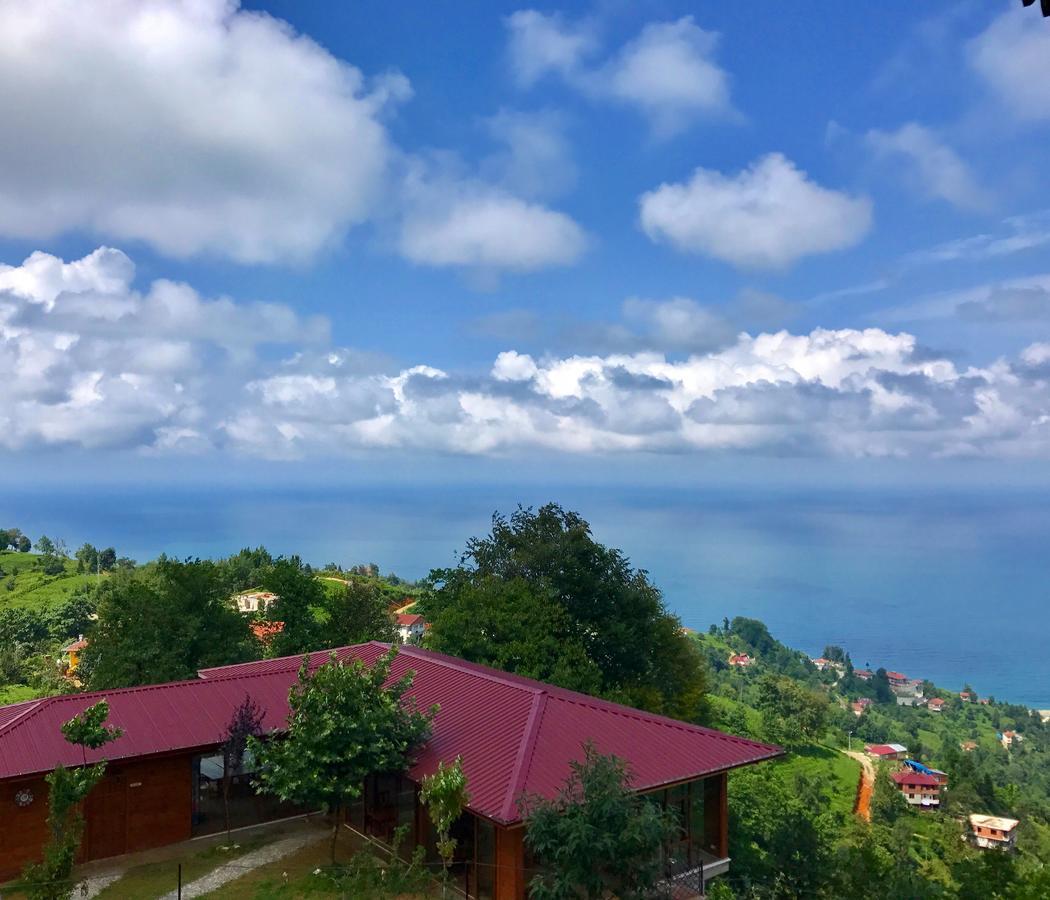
485, 857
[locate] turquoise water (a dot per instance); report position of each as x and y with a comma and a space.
947, 585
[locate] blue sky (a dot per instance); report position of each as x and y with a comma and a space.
592, 233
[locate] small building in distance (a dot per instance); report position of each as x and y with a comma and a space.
864, 674
254, 601
886, 751
1009, 738
410, 627
967, 696
936, 705
71, 654
897, 679
919, 788
860, 705
993, 832
265, 632
968, 746
741, 660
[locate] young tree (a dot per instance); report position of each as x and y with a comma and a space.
358, 613
345, 724
163, 623
87, 559
24, 545
245, 723
445, 795
612, 610
791, 714
596, 838
887, 803
45, 546
68, 789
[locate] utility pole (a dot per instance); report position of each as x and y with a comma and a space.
849, 740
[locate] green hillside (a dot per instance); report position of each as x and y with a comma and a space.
24, 584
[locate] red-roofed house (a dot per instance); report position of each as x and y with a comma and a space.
516, 737
860, 705
897, 679
740, 660
918, 788
864, 674
72, 654
411, 627
266, 631
936, 704
886, 751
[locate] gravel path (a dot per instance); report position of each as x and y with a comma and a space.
862, 807
243, 864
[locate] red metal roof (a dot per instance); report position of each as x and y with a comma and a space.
916, 778
516, 736
408, 619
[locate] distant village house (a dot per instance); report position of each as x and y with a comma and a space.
254, 601
740, 660
993, 832
886, 751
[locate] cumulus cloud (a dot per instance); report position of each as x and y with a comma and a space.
195, 127
668, 72
767, 216
1010, 55
932, 167
89, 360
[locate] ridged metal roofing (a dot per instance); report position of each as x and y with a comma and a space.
516, 736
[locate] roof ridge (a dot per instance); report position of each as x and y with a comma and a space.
525, 751
486, 672
31, 706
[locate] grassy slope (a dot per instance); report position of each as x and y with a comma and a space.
32, 588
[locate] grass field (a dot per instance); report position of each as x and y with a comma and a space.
24, 585
836, 771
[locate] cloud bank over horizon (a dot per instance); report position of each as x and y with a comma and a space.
89, 361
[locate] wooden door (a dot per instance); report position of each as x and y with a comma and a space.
107, 818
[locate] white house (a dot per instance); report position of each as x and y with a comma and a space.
254, 601
411, 627
993, 832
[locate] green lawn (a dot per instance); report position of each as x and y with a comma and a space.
16, 693
837, 772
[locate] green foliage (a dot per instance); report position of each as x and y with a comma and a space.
792, 715
245, 723
300, 600
67, 790
345, 724
445, 796
388, 876
588, 592
357, 612
163, 623
596, 838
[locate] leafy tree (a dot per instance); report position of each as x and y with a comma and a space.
509, 625
45, 546
887, 803
445, 796
24, 545
791, 714
107, 559
245, 723
753, 633
300, 602
358, 613
834, 653
345, 724
596, 838
245, 569
87, 558
68, 789
612, 610
163, 623
881, 684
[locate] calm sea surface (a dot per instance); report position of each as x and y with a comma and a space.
948, 585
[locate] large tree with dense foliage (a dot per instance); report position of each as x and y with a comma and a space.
163, 623
596, 838
356, 613
300, 606
792, 714
591, 597
346, 723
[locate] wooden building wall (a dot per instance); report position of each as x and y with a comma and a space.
137, 805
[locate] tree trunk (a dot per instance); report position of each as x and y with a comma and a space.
335, 829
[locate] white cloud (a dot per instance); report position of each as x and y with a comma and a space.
449, 221
536, 161
87, 360
932, 167
542, 44
195, 127
1011, 56
767, 216
668, 72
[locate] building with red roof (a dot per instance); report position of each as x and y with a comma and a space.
920, 788
936, 704
410, 627
741, 660
516, 737
886, 751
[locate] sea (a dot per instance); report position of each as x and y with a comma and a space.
952, 585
